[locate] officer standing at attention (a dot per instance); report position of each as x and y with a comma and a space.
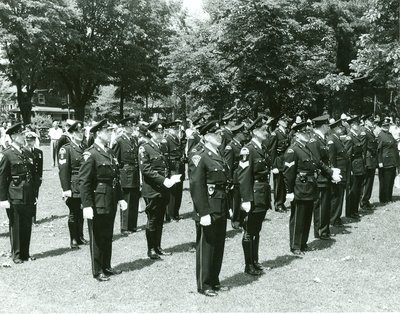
176, 154
388, 161
339, 159
371, 162
355, 150
279, 142
209, 182
253, 176
232, 156
69, 162
37, 155
17, 193
66, 136
126, 150
229, 121
322, 205
101, 196
155, 188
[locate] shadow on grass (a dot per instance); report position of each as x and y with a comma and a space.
53, 253
4, 234
119, 235
243, 279
183, 247
48, 219
135, 265
232, 233
340, 229
318, 245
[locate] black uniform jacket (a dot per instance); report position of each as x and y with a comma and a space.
300, 172
37, 156
126, 150
278, 144
232, 156
387, 150
153, 163
356, 148
338, 156
16, 177
208, 184
319, 147
99, 180
69, 162
253, 175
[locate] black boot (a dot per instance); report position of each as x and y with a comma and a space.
72, 234
150, 245
159, 250
79, 225
256, 243
248, 256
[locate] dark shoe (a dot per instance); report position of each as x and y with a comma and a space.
74, 245
17, 261
102, 277
153, 254
112, 271
304, 248
221, 288
250, 269
160, 251
133, 230
208, 293
338, 223
125, 232
355, 216
258, 266
177, 218
325, 237
83, 241
297, 252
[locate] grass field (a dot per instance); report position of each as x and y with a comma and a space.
356, 271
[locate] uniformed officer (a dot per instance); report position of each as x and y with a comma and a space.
355, 150
126, 148
339, 159
322, 205
279, 142
176, 155
255, 192
209, 183
155, 188
17, 192
232, 156
69, 162
37, 155
229, 121
371, 162
388, 161
101, 196
66, 136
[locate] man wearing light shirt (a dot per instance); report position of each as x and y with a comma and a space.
54, 133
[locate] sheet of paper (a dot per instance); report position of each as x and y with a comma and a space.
176, 178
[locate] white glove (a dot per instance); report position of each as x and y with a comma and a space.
205, 220
5, 204
336, 177
275, 171
88, 213
246, 206
290, 197
123, 205
66, 194
168, 183
380, 165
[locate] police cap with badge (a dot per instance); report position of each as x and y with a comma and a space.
157, 125
354, 120
30, 136
128, 121
103, 124
17, 128
173, 124
321, 120
335, 124
76, 127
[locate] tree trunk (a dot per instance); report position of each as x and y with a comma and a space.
24, 104
80, 112
121, 103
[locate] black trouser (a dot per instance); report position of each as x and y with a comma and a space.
251, 236
354, 195
101, 229
129, 217
175, 200
279, 190
367, 186
322, 212
210, 244
386, 182
337, 200
300, 222
20, 225
155, 211
34, 210
75, 218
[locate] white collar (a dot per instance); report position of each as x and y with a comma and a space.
319, 133
210, 147
101, 145
352, 131
281, 128
16, 147
257, 142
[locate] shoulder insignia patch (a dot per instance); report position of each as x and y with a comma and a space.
290, 151
330, 142
273, 134
243, 164
196, 160
86, 155
164, 140
363, 133
312, 140
141, 149
194, 150
289, 164
244, 151
228, 147
62, 152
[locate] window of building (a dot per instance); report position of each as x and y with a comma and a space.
41, 99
